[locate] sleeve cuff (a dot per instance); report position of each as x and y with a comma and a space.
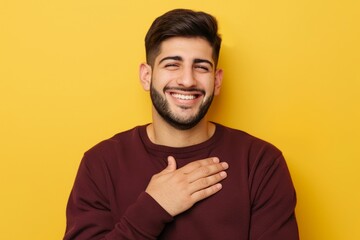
147, 215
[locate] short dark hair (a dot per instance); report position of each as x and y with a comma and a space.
182, 23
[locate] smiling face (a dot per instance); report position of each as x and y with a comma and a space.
182, 82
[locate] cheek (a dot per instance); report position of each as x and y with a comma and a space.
162, 76
207, 83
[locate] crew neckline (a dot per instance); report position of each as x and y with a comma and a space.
179, 152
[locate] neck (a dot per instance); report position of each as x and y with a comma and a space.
163, 133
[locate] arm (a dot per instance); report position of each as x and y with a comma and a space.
90, 217
273, 202
169, 193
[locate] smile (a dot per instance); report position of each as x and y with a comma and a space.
183, 96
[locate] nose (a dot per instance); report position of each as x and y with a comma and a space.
187, 77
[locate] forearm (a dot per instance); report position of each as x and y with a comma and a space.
143, 220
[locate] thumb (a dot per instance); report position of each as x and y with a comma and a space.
171, 164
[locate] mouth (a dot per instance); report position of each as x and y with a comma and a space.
185, 97
184, 94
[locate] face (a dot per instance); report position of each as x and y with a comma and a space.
182, 82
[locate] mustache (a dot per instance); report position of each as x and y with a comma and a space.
184, 89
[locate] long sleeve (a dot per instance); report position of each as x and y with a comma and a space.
108, 199
91, 216
273, 201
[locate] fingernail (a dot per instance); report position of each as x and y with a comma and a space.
223, 174
216, 160
225, 165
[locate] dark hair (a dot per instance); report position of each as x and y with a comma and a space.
182, 23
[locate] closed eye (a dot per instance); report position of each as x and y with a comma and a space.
171, 66
202, 68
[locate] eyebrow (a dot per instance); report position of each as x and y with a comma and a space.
178, 58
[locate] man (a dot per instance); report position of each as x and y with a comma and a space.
181, 176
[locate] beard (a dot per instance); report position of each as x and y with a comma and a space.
162, 107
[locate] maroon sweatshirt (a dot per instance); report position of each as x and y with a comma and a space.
108, 200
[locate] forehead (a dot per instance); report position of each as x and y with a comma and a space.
187, 48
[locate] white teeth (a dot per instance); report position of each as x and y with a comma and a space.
183, 97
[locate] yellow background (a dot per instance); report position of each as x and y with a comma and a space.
69, 79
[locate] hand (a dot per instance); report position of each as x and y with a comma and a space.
177, 190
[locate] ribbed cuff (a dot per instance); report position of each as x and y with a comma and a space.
147, 216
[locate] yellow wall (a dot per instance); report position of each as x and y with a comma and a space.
68, 79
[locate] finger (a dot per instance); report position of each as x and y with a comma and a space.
199, 163
207, 182
205, 193
206, 171
171, 167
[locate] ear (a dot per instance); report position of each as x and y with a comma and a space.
218, 81
145, 73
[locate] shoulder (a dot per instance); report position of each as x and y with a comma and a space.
244, 140
118, 139
255, 152
114, 146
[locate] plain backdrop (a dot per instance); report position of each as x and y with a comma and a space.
69, 79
